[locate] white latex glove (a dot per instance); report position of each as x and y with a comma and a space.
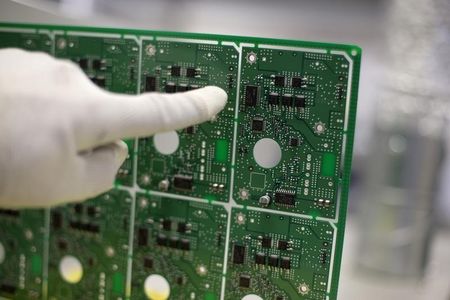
60, 134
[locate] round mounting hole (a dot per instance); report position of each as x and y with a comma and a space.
252, 297
267, 153
167, 142
2, 253
70, 269
156, 287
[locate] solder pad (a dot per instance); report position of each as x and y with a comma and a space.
250, 205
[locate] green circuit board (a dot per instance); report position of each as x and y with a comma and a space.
250, 205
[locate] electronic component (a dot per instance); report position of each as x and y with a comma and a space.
150, 83
296, 82
279, 80
251, 95
299, 101
257, 124
244, 281
286, 100
182, 182
175, 71
273, 98
285, 197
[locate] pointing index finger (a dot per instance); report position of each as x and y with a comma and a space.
116, 116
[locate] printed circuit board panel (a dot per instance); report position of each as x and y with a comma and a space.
250, 205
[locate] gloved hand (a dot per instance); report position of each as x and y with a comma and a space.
60, 134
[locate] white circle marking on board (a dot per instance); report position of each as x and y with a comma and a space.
166, 142
267, 153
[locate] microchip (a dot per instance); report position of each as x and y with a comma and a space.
238, 254
170, 87
9, 212
299, 101
182, 88
7, 288
167, 224
279, 80
190, 130
175, 71
279, 298
286, 100
260, 258
173, 242
182, 227
182, 182
94, 228
273, 260
285, 262
251, 95
161, 240
266, 242
92, 211
274, 99
99, 81
180, 280
296, 82
96, 64
285, 198
293, 142
78, 208
191, 72
142, 236
244, 281
257, 125
185, 244
57, 220
150, 83
283, 244
148, 262
83, 63
62, 244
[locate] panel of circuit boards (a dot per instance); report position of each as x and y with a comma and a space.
250, 205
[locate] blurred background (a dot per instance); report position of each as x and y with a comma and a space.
397, 244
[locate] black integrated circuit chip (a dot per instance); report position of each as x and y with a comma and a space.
142, 236
238, 254
183, 182
148, 262
150, 83
286, 100
182, 88
280, 80
244, 281
170, 87
83, 63
285, 197
161, 240
299, 101
175, 71
266, 242
191, 72
167, 224
260, 258
273, 98
285, 262
283, 244
251, 95
296, 82
273, 260
257, 124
